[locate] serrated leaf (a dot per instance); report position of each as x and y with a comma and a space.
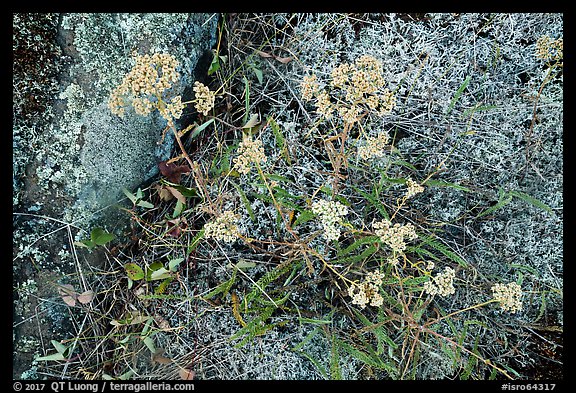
253, 121
531, 200
161, 288
501, 203
442, 183
134, 272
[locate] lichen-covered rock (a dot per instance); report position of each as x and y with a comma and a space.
85, 154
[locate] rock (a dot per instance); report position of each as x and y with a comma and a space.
85, 154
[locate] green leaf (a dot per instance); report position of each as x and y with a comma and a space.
195, 241
303, 216
100, 236
149, 342
258, 73
531, 200
134, 272
61, 348
505, 199
335, 371
315, 321
86, 243
244, 264
161, 288
223, 288
54, 356
360, 242
201, 128
215, 64
173, 264
458, 93
160, 274
429, 241
245, 201
442, 183
246, 100
145, 204
316, 364
152, 268
130, 196
373, 201
178, 209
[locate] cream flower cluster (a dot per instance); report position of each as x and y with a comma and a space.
367, 291
395, 236
330, 213
413, 188
150, 77
309, 87
223, 227
509, 296
549, 49
373, 146
204, 98
249, 152
357, 88
442, 284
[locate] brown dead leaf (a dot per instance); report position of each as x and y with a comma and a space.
86, 297
186, 375
68, 294
177, 194
158, 358
173, 172
163, 193
284, 60
161, 322
264, 54
175, 226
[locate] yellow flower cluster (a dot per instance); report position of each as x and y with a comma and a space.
373, 146
395, 236
413, 188
357, 87
442, 284
249, 151
367, 291
150, 77
330, 213
204, 99
223, 227
549, 49
509, 296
